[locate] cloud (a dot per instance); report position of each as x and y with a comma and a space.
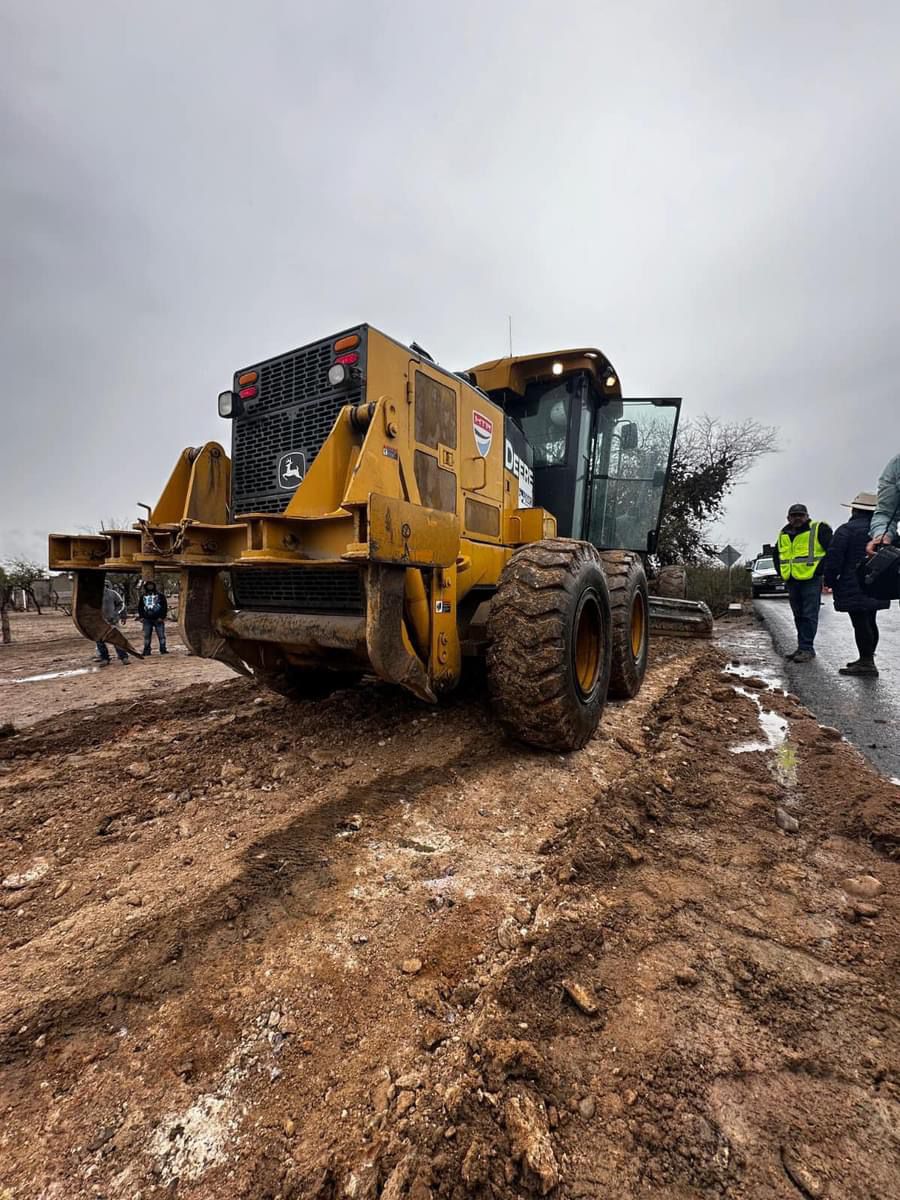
705, 191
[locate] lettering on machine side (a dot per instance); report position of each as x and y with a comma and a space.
524, 473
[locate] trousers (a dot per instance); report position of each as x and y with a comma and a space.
865, 630
805, 596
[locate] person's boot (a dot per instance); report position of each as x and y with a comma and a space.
793, 654
865, 667
146, 652
163, 650
804, 656
850, 665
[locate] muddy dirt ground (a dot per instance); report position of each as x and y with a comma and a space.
360, 948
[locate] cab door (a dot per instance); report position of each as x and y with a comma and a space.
631, 457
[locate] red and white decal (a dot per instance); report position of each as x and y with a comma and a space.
483, 428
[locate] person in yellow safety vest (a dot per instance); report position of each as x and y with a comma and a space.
799, 556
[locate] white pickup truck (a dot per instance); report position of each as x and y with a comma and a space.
765, 580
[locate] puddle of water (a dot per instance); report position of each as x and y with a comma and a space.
53, 675
773, 727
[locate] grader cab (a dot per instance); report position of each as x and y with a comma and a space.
380, 514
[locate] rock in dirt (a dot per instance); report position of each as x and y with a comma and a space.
581, 996
28, 877
807, 1181
829, 734
785, 821
508, 933
7, 729
432, 1036
865, 908
138, 770
529, 1136
411, 966
687, 977
863, 887
587, 1107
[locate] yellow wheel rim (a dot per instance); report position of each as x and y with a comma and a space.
638, 626
588, 643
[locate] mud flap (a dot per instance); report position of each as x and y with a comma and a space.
195, 620
87, 612
390, 651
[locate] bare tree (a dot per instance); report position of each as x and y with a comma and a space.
711, 457
17, 574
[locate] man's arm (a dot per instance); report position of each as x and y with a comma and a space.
884, 518
836, 557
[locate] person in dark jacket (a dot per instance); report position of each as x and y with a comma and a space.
847, 550
152, 609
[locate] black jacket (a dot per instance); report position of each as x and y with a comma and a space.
847, 549
157, 614
825, 536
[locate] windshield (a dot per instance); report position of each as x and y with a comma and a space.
765, 564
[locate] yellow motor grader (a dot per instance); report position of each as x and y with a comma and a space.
380, 514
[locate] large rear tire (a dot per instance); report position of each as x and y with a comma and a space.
630, 605
549, 635
298, 683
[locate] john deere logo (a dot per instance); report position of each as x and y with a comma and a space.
483, 428
291, 469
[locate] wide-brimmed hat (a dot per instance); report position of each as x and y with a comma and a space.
864, 500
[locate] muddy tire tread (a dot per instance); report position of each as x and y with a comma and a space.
526, 661
622, 567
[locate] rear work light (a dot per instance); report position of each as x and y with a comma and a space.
229, 405
338, 374
350, 342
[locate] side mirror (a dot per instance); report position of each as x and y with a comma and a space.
629, 436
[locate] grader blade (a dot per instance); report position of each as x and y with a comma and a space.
87, 612
680, 618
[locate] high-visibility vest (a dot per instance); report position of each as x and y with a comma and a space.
799, 555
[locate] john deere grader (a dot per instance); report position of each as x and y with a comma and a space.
380, 514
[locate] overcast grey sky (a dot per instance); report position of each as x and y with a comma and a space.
706, 191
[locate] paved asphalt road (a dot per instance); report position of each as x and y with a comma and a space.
867, 711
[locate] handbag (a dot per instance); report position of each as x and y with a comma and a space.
879, 576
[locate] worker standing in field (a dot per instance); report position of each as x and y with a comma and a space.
114, 613
799, 556
847, 550
887, 507
152, 609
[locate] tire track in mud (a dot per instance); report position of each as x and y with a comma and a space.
743, 1034
111, 968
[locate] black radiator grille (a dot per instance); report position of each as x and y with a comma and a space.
300, 589
295, 410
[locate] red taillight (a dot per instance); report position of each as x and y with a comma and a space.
247, 393
349, 360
